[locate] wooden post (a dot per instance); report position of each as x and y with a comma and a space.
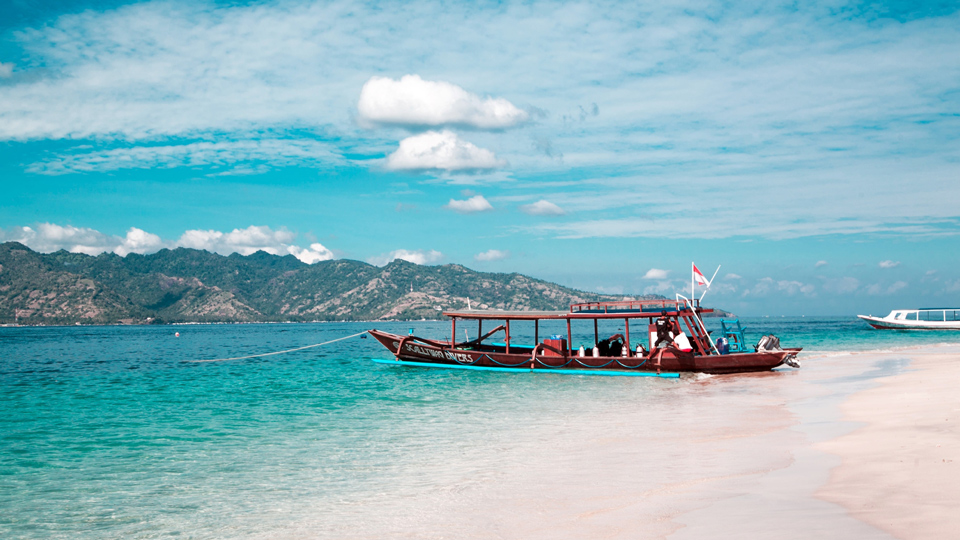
508, 336
569, 340
479, 329
536, 331
453, 331
596, 332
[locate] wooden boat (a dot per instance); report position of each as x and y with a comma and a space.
672, 339
917, 319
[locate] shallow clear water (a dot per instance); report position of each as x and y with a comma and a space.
108, 432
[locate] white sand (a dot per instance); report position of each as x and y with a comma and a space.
901, 471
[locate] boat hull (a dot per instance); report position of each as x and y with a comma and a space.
440, 353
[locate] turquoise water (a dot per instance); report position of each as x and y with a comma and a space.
108, 432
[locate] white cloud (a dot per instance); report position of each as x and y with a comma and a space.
416, 102
491, 255
889, 264
274, 152
49, 237
139, 241
243, 241
879, 289
661, 287
6, 70
251, 240
420, 256
442, 150
542, 208
474, 204
766, 286
896, 286
844, 285
820, 263
792, 287
816, 101
733, 276
656, 273
316, 253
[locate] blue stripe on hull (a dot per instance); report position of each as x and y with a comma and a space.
608, 373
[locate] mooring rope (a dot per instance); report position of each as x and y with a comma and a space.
279, 352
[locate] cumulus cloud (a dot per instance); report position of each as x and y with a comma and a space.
49, 237
139, 241
415, 102
491, 255
442, 150
820, 263
733, 276
315, 253
420, 256
469, 206
251, 240
6, 70
656, 273
889, 264
542, 208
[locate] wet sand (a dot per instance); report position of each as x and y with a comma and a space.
900, 471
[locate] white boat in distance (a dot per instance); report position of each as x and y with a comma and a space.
917, 319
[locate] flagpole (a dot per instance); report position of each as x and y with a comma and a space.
693, 294
709, 283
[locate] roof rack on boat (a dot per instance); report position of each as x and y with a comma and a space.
633, 306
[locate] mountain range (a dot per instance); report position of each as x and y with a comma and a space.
189, 285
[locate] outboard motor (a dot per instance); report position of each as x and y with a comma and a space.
768, 343
772, 343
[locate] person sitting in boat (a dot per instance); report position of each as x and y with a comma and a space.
612, 346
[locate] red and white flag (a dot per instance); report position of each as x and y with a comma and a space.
697, 275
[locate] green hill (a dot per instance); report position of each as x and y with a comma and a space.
188, 285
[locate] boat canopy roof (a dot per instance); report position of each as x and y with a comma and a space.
590, 310
501, 314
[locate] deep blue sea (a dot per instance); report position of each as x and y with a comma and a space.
111, 432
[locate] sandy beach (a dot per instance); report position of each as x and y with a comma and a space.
853, 445
900, 471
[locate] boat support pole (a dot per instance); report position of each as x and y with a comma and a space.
508, 336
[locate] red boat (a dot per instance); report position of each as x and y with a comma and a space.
672, 339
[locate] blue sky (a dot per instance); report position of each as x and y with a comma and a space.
812, 149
